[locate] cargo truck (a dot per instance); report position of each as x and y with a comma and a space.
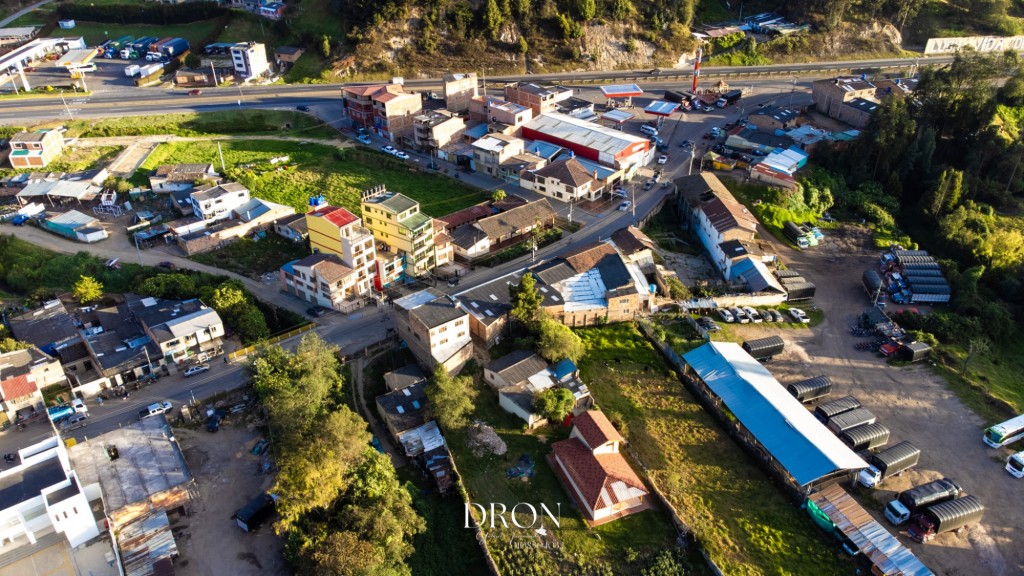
728, 98
764, 348
857, 417
1015, 465
865, 437
910, 501
890, 462
174, 48
57, 412
153, 53
826, 411
132, 70
811, 389
796, 234
945, 517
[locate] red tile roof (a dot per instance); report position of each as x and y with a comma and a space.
595, 428
340, 217
601, 480
367, 90
18, 386
467, 216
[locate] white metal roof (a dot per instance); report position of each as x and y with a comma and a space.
583, 133
787, 430
72, 219
78, 190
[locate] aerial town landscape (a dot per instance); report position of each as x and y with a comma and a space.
530, 287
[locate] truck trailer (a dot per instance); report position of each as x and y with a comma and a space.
730, 97
174, 48
890, 462
132, 70
945, 517
800, 291
828, 410
811, 389
865, 437
910, 501
857, 417
765, 348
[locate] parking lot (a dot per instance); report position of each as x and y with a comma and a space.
912, 401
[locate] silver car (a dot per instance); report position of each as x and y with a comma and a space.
740, 315
726, 315
754, 316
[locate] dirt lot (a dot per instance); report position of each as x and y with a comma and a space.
913, 403
225, 472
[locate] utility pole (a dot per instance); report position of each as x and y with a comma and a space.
213, 71
65, 102
139, 252
221, 152
792, 92
633, 205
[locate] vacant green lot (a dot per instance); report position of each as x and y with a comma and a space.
314, 169
75, 159
96, 33
586, 550
251, 122
745, 523
254, 257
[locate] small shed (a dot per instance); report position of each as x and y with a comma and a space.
251, 516
915, 351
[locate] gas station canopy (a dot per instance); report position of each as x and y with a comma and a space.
75, 58
621, 91
661, 108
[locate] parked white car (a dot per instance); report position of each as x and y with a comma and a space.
799, 316
726, 315
754, 316
740, 315
401, 155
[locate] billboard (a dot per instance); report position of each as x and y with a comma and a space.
979, 43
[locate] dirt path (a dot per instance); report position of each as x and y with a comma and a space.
913, 403
116, 247
398, 459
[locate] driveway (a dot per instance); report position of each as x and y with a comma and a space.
913, 402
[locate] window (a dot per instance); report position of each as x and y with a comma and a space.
459, 322
442, 329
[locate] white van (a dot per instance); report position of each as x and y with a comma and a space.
649, 130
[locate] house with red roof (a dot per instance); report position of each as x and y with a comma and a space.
23, 374
594, 472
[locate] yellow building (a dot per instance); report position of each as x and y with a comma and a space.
334, 230
396, 221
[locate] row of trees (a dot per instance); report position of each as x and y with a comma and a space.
343, 510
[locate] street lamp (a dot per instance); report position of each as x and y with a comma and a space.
68, 110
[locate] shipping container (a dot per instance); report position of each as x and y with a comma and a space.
835, 407
866, 437
811, 389
857, 417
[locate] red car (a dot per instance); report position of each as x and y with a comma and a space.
195, 92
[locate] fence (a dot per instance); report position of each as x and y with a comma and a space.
243, 352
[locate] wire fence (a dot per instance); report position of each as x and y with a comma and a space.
243, 352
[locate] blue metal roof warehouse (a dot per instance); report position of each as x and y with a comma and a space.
804, 448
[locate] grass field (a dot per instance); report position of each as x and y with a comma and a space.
254, 122
314, 169
75, 159
745, 523
96, 33
599, 550
248, 257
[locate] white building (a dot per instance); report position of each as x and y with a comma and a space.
42, 495
435, 328
216, 203
250, 59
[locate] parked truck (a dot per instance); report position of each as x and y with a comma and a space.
153, 52
795, 233
764, 348
132, 70
255, 512
176, 47
910, 501
857, 417
828, 410
811, 389
57, 412
865, 437
945, 517
114, 50
890, 462
730, 97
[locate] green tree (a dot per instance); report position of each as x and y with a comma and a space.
526, 299
524, 46
451, 398
498, 195
8, 343
492, 19
87, 289
193, 60
557, 342
586, 9
554, 403
676, 289
173, 286
619, 9
325, 46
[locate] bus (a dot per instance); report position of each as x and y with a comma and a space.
1002, 434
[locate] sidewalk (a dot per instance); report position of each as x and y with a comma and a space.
22, 12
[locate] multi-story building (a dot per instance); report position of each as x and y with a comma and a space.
43, 496
538, 98
250, 59
216, 203
566, 180
459, 89
396, 221
437, 130
180, 328
498, 113
323, 279
715, 216
385, 108
35, 149
849, 99
435, 328
491, 151
23, 374
337, 231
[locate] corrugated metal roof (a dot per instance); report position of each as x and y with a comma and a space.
621, 90
661, 108
583, 133
801, 444
72, 219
